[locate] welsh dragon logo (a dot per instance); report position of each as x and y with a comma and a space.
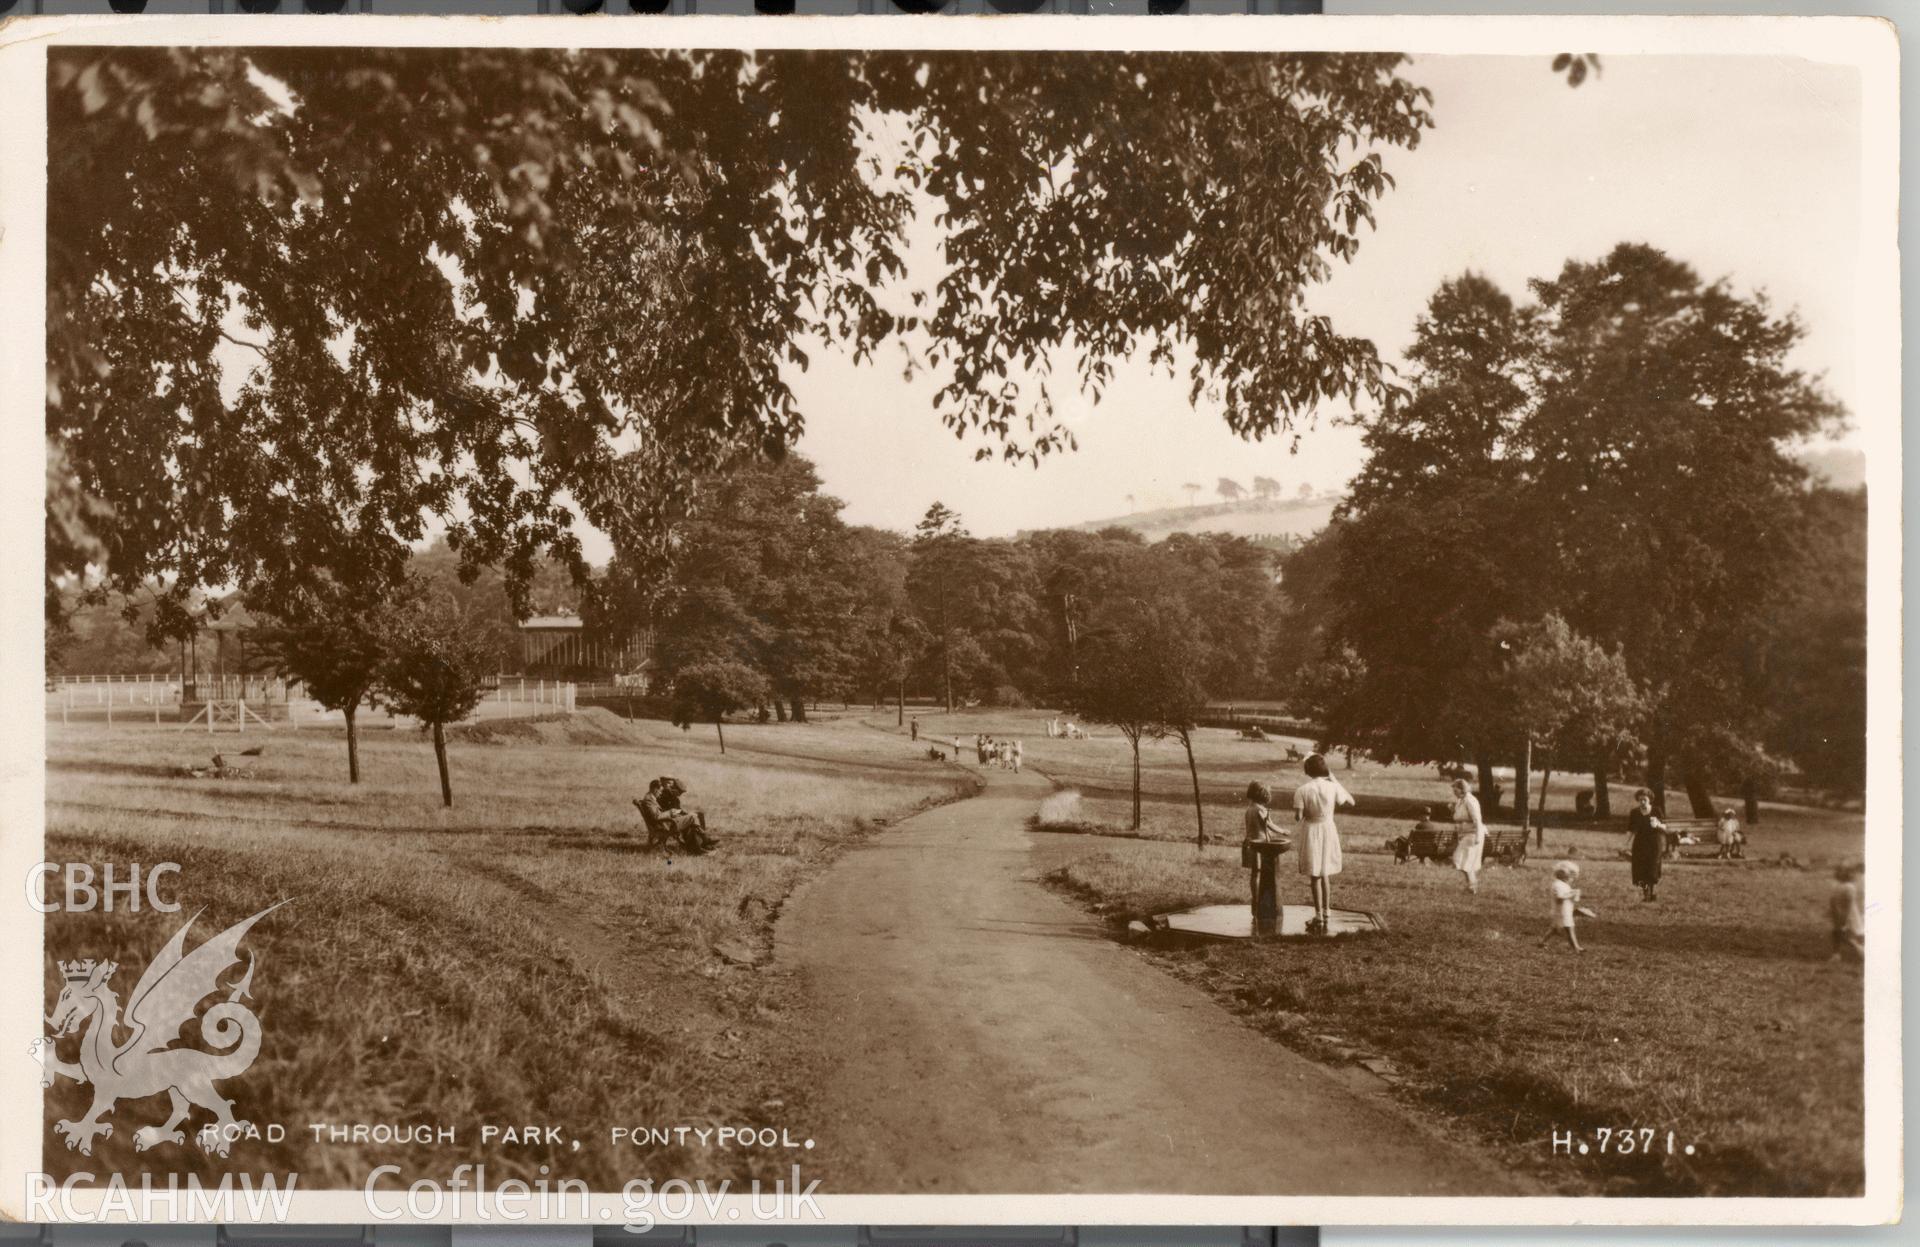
144, 1063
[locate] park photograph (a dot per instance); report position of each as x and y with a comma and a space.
1007, 622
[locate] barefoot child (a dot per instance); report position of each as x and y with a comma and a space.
1565, 897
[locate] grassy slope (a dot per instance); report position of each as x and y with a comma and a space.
515, 959
1713, 1012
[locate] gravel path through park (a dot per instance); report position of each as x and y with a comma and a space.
973, 1032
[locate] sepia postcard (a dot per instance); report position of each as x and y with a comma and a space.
718, 621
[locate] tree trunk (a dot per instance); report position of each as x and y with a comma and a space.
353, 744
1199, 816
1697, 795
1602, 802
799, 710
946, 659
1751, 792
900, 703
779, 710
1136, 781
1657, 779
1489, 801
1540, 823
1522, 783
721, 733
440, 756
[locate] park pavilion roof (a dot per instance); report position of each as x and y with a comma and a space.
553, 623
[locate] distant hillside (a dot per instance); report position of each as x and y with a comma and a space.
1252, 517
1842, 467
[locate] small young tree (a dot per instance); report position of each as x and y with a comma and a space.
1193, 492
1172, 656
1107, 692
434, 672
334, 640
1564, 692
708, 692
1140, 673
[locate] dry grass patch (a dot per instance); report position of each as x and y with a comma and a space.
516, 959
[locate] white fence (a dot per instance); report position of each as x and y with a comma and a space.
157, 699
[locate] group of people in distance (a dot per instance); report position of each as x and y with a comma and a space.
1004, 754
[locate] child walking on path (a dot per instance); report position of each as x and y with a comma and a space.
1565, 898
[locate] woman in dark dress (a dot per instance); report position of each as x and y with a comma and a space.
1648, 836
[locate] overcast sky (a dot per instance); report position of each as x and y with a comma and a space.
1744, 167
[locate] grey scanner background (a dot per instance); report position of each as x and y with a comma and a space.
1584, 1236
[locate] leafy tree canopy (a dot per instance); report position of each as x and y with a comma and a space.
492, 285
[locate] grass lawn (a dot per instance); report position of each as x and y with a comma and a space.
516, 959
1713, 1013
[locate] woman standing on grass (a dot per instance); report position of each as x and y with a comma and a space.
1470, 840
1648, 837
1313, 804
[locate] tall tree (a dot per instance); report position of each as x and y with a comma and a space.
1230, 489
1667, 412
1429, 540
768, 574
1814, 664
940, 544
1619, 451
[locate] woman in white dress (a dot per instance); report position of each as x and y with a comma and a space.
1313, 804
1472, 842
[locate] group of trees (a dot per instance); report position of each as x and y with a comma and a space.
770, 578
774, 601
1264, 488
399, 289
414, 652
381, 307
400, 286
1583, 531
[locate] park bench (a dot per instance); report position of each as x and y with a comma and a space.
1699, 830
1506, 846
1681, 831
